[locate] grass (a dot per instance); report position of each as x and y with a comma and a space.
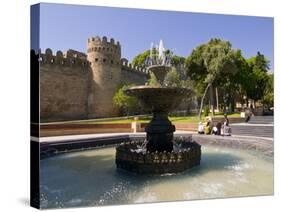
183, 119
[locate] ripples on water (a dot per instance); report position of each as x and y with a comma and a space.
90, 178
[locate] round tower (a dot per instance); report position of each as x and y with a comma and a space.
104, 57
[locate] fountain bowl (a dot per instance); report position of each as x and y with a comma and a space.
160, 71
160, 99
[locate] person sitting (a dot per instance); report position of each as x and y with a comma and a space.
200, 128
207, 128
226, 130
218, 125
215, 130
226, 120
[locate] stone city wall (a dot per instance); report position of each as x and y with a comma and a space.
63, 87
132, 74
74, 85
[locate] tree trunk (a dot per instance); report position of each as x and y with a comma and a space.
217, 99
232, 105
202, 100
212, 100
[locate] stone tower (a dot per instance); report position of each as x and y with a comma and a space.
104, 57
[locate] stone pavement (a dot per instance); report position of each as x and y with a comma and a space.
258, 126
260, 144
256, 135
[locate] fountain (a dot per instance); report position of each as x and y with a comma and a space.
81, 172
159, 153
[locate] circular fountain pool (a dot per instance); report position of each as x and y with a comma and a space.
89, 178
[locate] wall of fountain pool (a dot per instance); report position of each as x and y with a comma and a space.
90, 178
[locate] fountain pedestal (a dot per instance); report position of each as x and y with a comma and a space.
160, 133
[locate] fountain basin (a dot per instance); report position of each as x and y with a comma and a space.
129, 157
89, 177
159, 99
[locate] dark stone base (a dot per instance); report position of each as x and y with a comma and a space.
155, 144
158, 162
160, 133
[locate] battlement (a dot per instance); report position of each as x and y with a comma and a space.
125, 65
104, 40
70, 58
97, 44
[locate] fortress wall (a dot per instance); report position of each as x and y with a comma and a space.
74, 85
63, 87
132, 74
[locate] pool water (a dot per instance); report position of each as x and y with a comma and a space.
90, 178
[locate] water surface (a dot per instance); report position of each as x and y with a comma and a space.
90, 178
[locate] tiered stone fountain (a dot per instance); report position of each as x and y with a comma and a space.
160, 153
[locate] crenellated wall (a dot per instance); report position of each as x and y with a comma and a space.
63, 87
132, 74
74, 85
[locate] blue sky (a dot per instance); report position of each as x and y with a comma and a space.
68, 26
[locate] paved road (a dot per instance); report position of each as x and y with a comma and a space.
258, 126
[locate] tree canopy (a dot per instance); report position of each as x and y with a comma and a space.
139, 60
172, 78
210, 65
259, 66
212, 62
269, 91
128, 105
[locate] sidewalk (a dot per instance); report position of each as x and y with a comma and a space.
101, 135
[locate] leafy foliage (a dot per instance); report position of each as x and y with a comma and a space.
172, 78
128, 105
206, 110
258, 79
212, 62
177, 60
269, 91
210, 65
140, 58
152, 81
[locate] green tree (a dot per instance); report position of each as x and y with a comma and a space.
210, 64
268, 98
259, 66
236, 86
172, 78
177, 60
126, 104
152, 81
140, 58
